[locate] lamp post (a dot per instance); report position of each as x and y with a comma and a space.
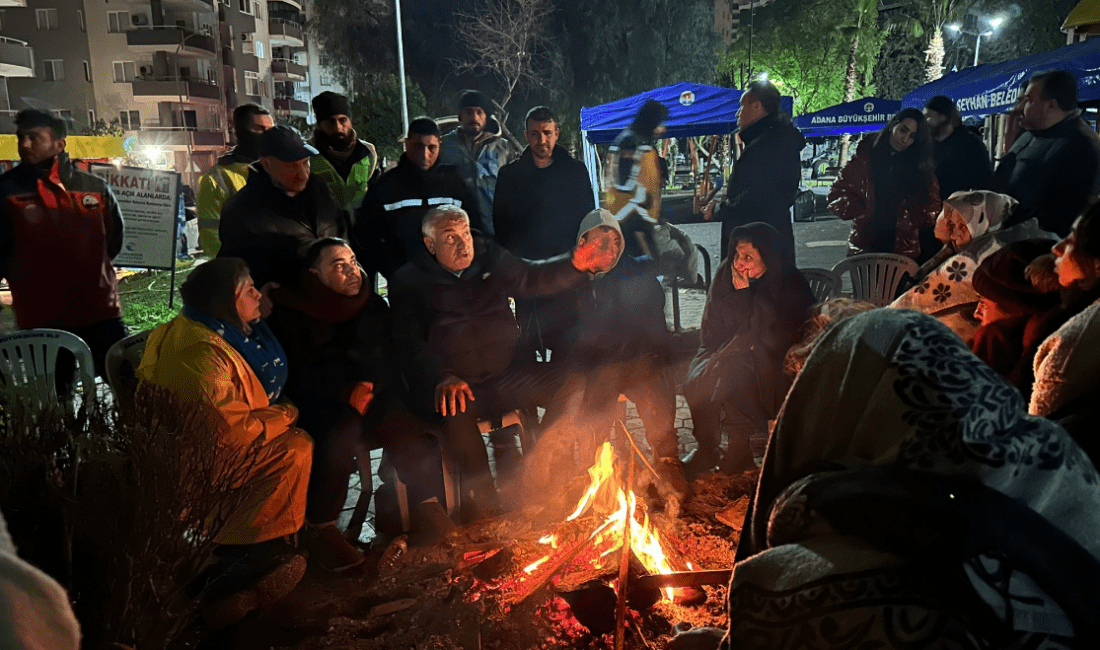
994, 23
401, 71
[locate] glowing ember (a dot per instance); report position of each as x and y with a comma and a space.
530, 568
551, 539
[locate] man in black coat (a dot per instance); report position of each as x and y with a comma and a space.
387, 226
457, 333
1053, 169
281, 211
765, 179
540, 200
962, 160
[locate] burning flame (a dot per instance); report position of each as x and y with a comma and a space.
605, 492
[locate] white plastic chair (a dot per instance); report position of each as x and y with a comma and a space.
28, 366
876, 276
129, 350
824, 284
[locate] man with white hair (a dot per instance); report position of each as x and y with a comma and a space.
454, 325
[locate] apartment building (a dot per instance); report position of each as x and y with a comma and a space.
728, 15
170, 72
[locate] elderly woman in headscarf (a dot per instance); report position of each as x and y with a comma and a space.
908, 500
757, 308
218, 352
970, 229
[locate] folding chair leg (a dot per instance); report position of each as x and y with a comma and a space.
366, 490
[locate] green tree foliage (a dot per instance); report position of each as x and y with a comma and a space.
1030, 27
901, 66
355, 39
103, 128
926, 19
376, 112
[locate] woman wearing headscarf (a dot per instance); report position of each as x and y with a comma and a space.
756, 309
970, 229
888, 190
219, 352
908, 500
1067, 366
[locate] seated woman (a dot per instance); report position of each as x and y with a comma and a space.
907, 500
1067, 366
756, 310
1015, 315
970, 229
217, 351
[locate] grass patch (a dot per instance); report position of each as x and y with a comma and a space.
145, 296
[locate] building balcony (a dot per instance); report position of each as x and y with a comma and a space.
201, 6
287, 70
20, 3
181, 138
276, 4
285, 32
171, 89
164, 38
291, 106
16, 58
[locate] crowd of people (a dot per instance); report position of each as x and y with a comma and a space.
900, 447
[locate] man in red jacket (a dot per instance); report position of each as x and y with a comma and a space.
59, 230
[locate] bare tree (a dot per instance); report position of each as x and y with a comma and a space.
508, 40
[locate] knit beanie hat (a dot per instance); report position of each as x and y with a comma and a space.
473, 98
1000, 278
328, 104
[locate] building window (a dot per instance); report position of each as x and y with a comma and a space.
256, 9
1, 20
125, 71
251, 83
80, 20
245, 6
130, 120
46, 19
53, 70
259, 49
87, 72
326, 79
118, 21
91, 118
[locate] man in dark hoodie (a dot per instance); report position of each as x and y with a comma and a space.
222, 181
456, 331
387, 226
621, 345
283, 209
540, 201
765, 179
344, 162
477, 150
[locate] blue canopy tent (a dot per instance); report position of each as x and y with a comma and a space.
693, 109
993, 87
867, 114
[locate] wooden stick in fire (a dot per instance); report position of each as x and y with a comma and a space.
638, 452
624, 562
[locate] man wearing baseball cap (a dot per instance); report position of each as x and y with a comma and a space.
346, 163
477, 150
281, 211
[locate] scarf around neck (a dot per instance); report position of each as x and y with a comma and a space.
260, 349
317, 301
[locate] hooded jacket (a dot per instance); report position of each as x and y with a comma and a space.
852, 198
387, 226
271, 231
463, 325
219, 184
536, 210
764, 182
1053, 173
347, 180
59, 230
480, 168
622, 313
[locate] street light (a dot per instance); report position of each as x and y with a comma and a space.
994, 23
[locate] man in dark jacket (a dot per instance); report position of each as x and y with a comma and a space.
283, 209
1053, 169
962, 160
621, 345
347, 164
387, 227
764, 182
59, 230
344, 378
540, 201
457, 332
478, 151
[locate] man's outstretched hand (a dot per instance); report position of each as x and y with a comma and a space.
451, 395
598, 253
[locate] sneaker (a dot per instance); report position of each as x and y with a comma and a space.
696, 463
330, 549
254, 577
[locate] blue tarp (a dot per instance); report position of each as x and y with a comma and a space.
867, 114
693, 109
993, 87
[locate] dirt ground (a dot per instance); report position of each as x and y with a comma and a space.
441, 598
